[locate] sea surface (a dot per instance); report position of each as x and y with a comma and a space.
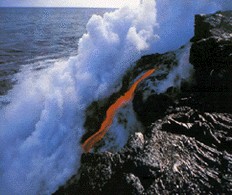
33, 35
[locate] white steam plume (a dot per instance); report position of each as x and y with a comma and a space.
176, 20
41, 128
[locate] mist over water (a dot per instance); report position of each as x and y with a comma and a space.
43, 124
41, 127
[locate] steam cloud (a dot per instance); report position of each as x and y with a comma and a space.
41, 128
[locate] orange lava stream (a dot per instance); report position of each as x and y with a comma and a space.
92, 140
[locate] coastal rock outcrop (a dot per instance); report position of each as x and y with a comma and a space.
186, 144
211, 55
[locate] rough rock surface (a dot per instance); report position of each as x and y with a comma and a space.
6, 81
187, 144
211, 55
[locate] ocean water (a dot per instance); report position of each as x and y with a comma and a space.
33, 35
64, 60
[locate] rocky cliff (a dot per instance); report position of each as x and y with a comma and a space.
185, 145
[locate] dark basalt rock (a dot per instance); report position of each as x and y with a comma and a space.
211, 55
153, 108
186, 147
95, 113
5, 85
6, 81
185, 152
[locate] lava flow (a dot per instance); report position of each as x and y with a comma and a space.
89, 143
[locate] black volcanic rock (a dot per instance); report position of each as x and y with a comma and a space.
6, 81
186, 147
153, 108
211, 55
185, 152
96, 111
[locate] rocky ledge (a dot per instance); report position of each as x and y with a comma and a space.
186, 144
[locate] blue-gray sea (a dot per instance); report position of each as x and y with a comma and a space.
32, 35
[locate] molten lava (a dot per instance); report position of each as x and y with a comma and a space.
89, 143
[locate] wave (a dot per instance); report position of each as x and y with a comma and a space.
41, 126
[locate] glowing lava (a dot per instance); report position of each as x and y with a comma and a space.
92, 140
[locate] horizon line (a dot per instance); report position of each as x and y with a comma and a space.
59, 7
